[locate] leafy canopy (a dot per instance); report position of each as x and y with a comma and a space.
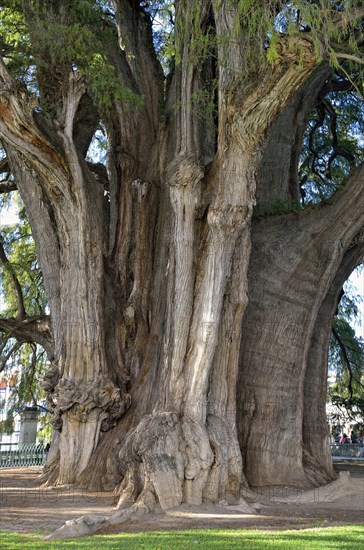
43, 41
19, 359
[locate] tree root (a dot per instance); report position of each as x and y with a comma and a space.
168, 461
87, 525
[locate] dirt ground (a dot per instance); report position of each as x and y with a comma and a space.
26, 506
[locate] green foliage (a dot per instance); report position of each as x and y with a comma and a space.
203, 105
26, 359
43, 40
33, 363
14, 39
346, 358
104, 87
323, 177
45, 427
327, 25
258, 25
7, 425
28, 363
195, 39
20, 250
272, 53
55, 38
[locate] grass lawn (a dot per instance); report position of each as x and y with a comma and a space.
348, 537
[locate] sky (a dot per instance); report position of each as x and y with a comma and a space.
9, 216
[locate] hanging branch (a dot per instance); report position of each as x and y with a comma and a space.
32, 369
5, 359
324, 108
346, 361
338, 151
14, 280
350, 57
32, 329
321, 114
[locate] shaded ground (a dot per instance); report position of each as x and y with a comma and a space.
25, 506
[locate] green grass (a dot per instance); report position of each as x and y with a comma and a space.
348, 537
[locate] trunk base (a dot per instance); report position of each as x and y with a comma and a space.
168, 460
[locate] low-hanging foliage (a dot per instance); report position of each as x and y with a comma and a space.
346, 357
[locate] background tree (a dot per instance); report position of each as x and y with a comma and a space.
24, 320
346, 359
170, 302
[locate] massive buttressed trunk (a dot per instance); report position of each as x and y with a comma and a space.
299, 263
145, 261
186, 449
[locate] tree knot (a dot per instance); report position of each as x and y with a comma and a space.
184, 171
100, 396
51, 379
297, 49
228, 217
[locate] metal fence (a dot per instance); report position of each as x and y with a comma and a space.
28, 454
346, 450
31, 454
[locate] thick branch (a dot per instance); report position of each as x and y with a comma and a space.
31, 329
343, 217
135, 34
278, 173
315, 436
350, 57
342, 85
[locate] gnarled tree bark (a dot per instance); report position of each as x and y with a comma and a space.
146, 266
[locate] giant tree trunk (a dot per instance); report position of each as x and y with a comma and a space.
295, 274
147, 277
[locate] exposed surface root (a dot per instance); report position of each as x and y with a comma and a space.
175, 464
167, 460
344, 486
88, 525
27, 506
81, 527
